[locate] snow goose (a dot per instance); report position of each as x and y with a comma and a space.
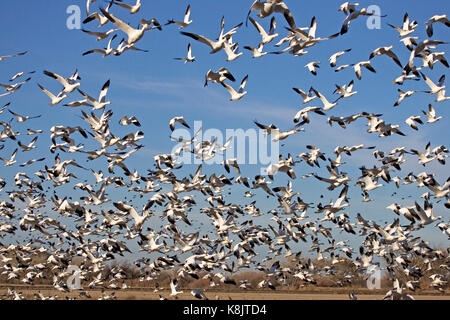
19, 74
186, 21
14, 87
387, 51
307, 97
106, 52
22, 118
426, 214
132, 8
69, 84
312, 67
431, 114
270, 6
230, 50
257, 52
217, 77
266, 37
189, 57
125, 121
346, 90
436, 89
28, 147
13, 55
179, 120
304, 114
134, 35
236, 95
357, 67
123, 46
54, 99
429, 24
100, 35
138, 219
97, 16
411, 121
347, 7
326, 104
101, 103
403, 95
336, 55
199, 294
10, 161
352, 16
215, 46
407, 27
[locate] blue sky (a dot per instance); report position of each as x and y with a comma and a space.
155, 87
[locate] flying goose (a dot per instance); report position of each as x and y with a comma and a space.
199, 294
336, 55
434, 19
312, 67
106, 51
346, 90
19, 74
268, 7
303, 113
407, 27
365, 64
189, 57
403, 95
134, 35
28, 147
347, 7
257, 52
387, 51
101, 103
123, 46
69, 84
307, 97
266, 37
138, 219
186, 21
435, 89
22, 118
54, 99
218, 77
125, 121
230, 50
100, 35
236, 95
12, 55
132, 8
10, 161
326, 104
411, 121
352, 16
97, 16
426, 214
177, 119
215, 46
431, 115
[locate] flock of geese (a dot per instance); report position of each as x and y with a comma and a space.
105, 224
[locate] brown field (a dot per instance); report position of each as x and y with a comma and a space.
142, 294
